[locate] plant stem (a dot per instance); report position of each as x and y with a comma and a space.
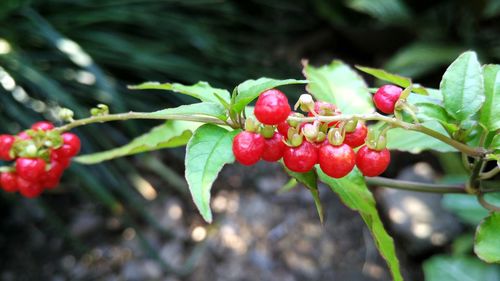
471, 151
138, 115
415, 186
491, 173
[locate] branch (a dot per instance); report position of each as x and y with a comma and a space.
471, 151
137, 115
416, 186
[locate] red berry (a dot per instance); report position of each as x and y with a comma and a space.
272, 107
273, 148
357, 137
71, 146
386, 97
51, 178
30, 169
6, 142
8, 181
283, 128
55, 156
42, 126
336, 161
29, 189
248, 147
23, 135
302, 158
372, 162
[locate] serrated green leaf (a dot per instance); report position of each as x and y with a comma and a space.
339, 84
459, 268
487, 244
354, 193
490, 112
249, 90
392, 78
415, 142
171, 134
310, 181
201, 90
207, 152
462, 87
203, 108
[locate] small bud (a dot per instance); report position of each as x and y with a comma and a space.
321, 137
335, 136
381, 142
99, 110
66, 114
306, 103
296, 140
30, 150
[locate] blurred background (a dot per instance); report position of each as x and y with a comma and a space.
132, 218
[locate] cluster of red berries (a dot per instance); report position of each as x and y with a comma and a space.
303, 145
40, 157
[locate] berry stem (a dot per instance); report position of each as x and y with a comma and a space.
137, 115
415, 186
471, 151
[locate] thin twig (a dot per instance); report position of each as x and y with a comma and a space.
416, 186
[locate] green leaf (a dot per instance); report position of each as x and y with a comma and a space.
392, 78
459, 268
490, 112
388, 11
339, 84
462, 87
310, 181
207, 152
249, 90
354, 193
201, 90
432, 111
202, 108
495, 143
487, 244
415, 142
467, 208
171, 134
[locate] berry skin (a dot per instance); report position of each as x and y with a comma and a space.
302, 158
29, 189
371, 162
283, 128
357, 137
273, 148
23, 136
30, 169
42, 126
336, 161
6, 142
8, 181
272, 107
51, 177
71, 146
248, 147
386, 97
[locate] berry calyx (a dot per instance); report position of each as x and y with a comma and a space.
248, 147
386, 97
273, 148
372, 162
272, 107
30, 169
42, 126
357, 137
336, 161
6, 143
302, 158
8, 181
